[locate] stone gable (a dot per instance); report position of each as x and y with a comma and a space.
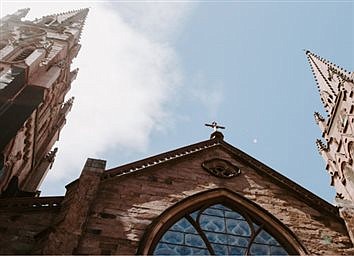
126, 205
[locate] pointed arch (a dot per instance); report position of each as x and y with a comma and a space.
230, 199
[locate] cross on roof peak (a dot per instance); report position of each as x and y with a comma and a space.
216, 134
215, 126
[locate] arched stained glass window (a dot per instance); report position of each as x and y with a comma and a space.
217, 230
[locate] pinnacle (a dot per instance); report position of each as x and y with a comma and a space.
318, 117
321, 146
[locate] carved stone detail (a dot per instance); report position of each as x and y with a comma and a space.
341, 76
328, 99
50, 156
221, 168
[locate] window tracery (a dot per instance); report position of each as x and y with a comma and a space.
218, 230
254, 217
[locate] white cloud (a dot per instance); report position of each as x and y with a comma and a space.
159, 20
128, 71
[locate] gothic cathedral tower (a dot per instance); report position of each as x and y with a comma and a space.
336, 89
35, 76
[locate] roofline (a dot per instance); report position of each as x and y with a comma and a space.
283, 180
300, 192
160, 158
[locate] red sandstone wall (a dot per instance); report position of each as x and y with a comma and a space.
126, 205
22, 220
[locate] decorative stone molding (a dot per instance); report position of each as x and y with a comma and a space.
61, 64
221, 168
160, 159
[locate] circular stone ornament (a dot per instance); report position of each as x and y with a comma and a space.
221, 168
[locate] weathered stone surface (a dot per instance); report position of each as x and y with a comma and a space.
348, 215
136, 199
18, 229
72, 220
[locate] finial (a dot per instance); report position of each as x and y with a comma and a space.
306, 51
216, 134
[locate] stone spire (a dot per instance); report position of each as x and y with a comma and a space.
336, 89
329, 78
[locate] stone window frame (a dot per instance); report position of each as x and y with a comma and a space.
235, 201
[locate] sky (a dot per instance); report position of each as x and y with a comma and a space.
151, 74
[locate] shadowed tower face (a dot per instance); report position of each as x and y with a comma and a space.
336, 88
35, 76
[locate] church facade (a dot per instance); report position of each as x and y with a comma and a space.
204, 198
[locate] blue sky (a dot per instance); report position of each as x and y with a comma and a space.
251, 55
179, 65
